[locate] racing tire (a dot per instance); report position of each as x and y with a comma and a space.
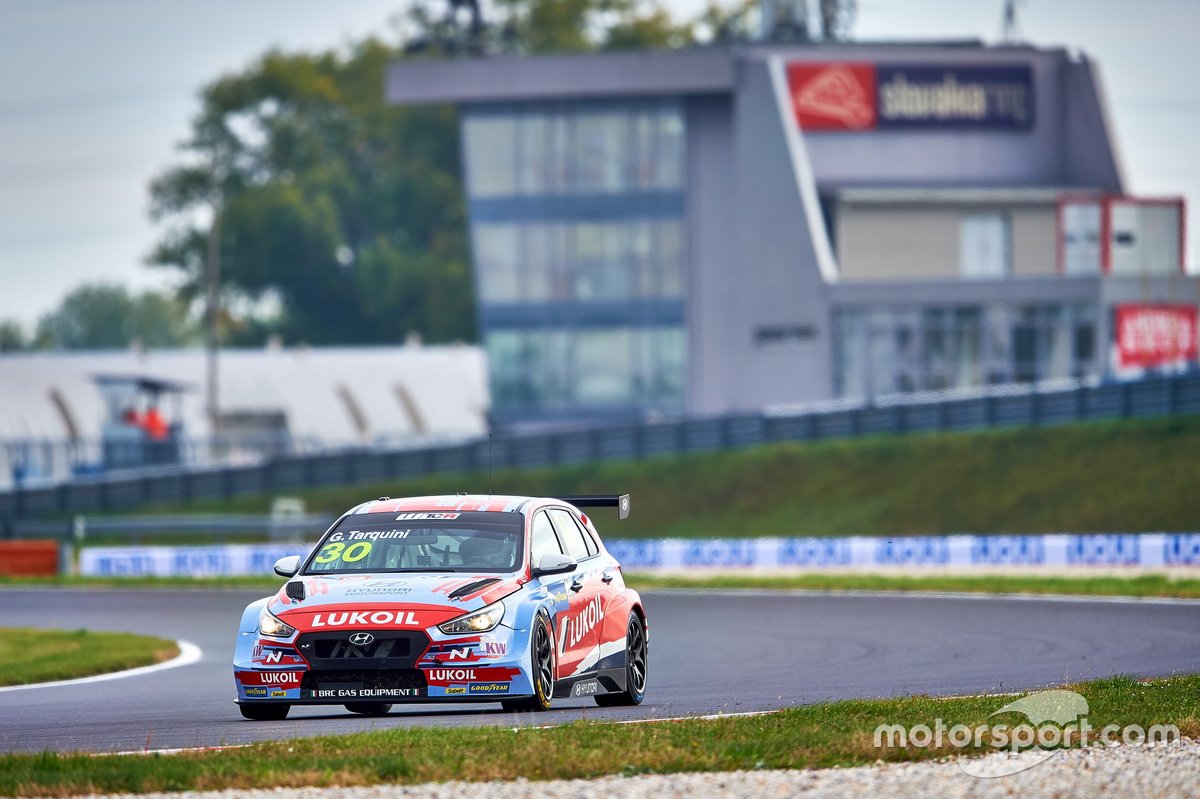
369, 708
264, 712
635, 668
542, 662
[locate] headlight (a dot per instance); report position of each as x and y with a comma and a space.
270, 626
480, 621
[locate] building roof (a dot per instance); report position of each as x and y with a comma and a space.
336, 396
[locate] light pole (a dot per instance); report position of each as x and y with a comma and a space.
212, 279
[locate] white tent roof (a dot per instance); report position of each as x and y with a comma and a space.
397, 392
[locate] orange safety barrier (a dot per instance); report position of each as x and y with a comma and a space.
29, 558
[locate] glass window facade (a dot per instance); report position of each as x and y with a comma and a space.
897, 349
577, 234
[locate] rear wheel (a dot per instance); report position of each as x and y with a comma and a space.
635, 668
542, 671
264, 712
369, 708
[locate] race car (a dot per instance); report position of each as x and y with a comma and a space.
447, 599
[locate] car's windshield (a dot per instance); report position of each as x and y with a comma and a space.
420, 542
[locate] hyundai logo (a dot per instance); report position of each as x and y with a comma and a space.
361, 639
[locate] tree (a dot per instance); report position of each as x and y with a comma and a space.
349, 210
12, 336
106, 316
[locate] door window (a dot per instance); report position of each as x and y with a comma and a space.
543, 541
571, 535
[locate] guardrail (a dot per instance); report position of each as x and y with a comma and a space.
1083, 551
1005, 406
136, 529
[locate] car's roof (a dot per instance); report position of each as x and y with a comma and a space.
495, 503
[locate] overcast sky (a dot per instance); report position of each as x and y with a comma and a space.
94, 96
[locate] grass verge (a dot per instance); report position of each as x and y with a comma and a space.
819, 735
28, 655
1147, 585
1127, 475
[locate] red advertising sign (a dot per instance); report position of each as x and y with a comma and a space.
1155, 335
833, 96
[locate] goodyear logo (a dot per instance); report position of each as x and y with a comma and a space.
488, 688
256, 691
456, 689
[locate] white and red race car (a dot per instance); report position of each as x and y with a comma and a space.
447, 598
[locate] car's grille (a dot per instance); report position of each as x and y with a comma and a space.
372, 679
388, 650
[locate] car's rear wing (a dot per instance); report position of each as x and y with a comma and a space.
618, 501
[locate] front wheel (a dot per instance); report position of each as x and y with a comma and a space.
541, 672
635, 668
369, 708
264, 712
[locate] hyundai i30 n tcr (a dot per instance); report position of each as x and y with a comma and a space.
447, 599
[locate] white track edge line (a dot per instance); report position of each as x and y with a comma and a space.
189, 653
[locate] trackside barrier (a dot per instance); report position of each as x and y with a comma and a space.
29, 558
1143, 550
997, 406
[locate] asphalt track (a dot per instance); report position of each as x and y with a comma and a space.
710, 652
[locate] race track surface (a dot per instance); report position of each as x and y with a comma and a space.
710, 652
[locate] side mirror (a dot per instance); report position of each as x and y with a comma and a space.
554, 564
287, 567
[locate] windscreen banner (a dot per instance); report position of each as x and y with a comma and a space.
1149, 335
864, 96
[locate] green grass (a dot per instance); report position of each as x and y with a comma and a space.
1129, 475
29, 655
820, 735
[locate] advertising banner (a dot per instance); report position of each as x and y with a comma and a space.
856, 96
1063, 550
1148, 335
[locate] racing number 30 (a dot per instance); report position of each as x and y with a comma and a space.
348, 554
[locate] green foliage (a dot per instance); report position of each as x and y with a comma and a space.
107, 316
30, 655
13, 337
346, 209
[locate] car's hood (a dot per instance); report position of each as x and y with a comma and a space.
389, 601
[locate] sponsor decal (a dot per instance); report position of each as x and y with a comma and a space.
1155, 335
460, 653
585, 688
368, 535
493, 648
488, 688
273, 656
450, 675
456, 689
360, 618
1103, 550
380, 590
361, 693
278, 694
253, 691
857, 96
404, 517
575, 628
283, 678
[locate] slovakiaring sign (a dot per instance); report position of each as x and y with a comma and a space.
861, 96
1146, 550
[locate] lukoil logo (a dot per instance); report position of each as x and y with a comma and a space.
1053, 720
